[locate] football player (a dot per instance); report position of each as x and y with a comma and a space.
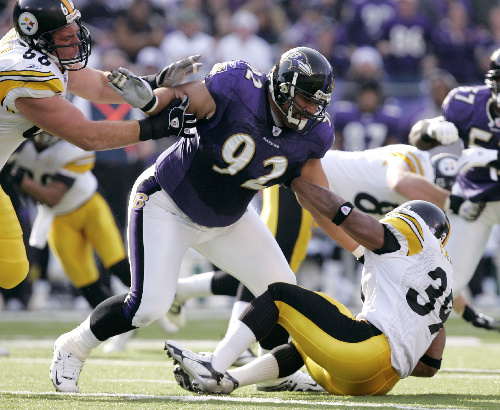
407, 285
72, 215
41, 58
475, 113
254, 130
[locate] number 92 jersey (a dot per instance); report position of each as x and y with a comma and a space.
470, 108
408, 292
361, 176
238, 151
23, 73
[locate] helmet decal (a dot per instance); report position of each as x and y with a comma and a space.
298, 59
28, 23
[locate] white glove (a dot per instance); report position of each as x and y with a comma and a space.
468, 210
476, 157
175, 73
443, 131
136, 91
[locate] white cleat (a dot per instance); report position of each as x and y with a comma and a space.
117, 343
203, 378
227, 384
65, 370
177, 314
298, 381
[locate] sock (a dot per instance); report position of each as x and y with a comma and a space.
238, 309
259, 370
238, 338
194, 286
80, 341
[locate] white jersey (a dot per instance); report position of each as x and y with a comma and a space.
23, 73
421, 276
360, 176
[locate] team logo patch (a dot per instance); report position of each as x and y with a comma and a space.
174, 123
140, 200
345, 209
276, 131
298, 59
448, 167
28, 23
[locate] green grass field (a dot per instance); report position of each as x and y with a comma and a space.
141, 376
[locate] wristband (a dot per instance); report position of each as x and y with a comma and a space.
358, 252
343, 212
431, 362
455, 202
152, 128
150, 106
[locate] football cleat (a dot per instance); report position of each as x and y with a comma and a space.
202, 377
298, 381
65, 370
176, 314
183, 379
227, 384
117, 343
486, 322
246, 357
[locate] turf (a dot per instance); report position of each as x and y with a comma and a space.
141, 376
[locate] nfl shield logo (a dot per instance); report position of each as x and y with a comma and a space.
174, 123
276, 131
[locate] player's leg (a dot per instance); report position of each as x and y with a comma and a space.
14, 264
105, 237
153, 225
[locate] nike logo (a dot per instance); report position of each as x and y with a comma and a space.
57, 380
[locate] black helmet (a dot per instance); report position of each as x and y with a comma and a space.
446, 169
36, 20
493, 76
433, 216
307, 72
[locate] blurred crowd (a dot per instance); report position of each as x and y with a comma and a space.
394, 62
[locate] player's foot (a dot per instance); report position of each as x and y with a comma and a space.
65, 368
117, 343
226, 385
246, 357
203, 378
177, 314
298, 381
486, 322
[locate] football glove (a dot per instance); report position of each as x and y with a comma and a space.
468, 210
479, 320
478, 157
136, 91
443, 131
175, 73
172, 120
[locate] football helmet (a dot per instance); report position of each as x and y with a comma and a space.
306, 72
446, 169
433, 216
493, 76
36, 20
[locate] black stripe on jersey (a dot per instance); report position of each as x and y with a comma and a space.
289, 222
323, 314
136, 235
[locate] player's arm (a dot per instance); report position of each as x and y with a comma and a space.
50, 194
427, 134
402, 180
59, 117
430, 362
361, 229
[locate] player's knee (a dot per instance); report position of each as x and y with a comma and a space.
13, 273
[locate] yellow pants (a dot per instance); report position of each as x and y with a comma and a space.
343, 355
14, 264
75, 236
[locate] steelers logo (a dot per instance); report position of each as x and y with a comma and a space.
28, 23
448, 167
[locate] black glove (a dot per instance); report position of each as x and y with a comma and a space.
172, 120
15, 176
480, 320
468, 210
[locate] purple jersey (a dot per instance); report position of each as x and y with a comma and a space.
238, 151
469, 108
362, 131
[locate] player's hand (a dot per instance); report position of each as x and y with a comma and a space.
172, 120
136, 91
444, 132
175, 73
477, 157
468, 210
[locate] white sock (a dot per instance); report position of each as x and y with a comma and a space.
238, 308
259, 370
80, 341
238, 338
195, 286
